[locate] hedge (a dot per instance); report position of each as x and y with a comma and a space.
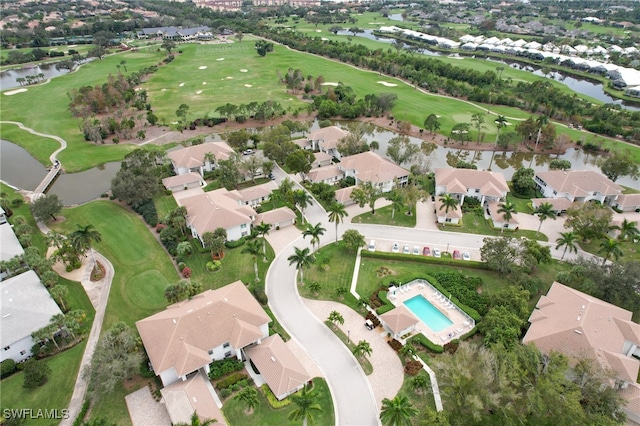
387, 306
426, 343
7, 367
424, 259
273, 401
230, 380
235, 243
223, 367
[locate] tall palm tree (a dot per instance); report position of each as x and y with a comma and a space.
500, 123
448, 203
83, 238
628, 230
263, 230
568, 240
302, 199
58, 293
610, 247
541, 122
507, 209
336, 213
544, 211
253, 247
249, 398
397, 411
306, 406
362, 349
195, 421
396, 201
303, 259
315, 232
336, 318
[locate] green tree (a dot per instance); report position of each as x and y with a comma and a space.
184, 248
302, 259
315, 232
628, 230
568, 241
263, 47
315, 287
432, 123
36, 373
263, 230
477, 119
366, 193
500, 326
302, 200
238, 139
526, 128
230, 175
460, 132
501, 122
448, 203
168, 45
397, 411
558, 164
523, 183
300, 161
362, 349
411, 194
610, 247
353, 240
336, 213
499, 254
249, 398
507, 209
419, 383
254, 247
336, 318
305, 407
619, 163
396, 201
181, 113
408, 351
401, 150
589, 220
541, 121
84, 237
544, 211
59, 292
197, 421
46, 207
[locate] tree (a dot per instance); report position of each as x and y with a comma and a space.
628, 230
300, 161
396, 201
499, 254
477, 119
558, 164
448, 203
336, 213
336, 318
362, 349
400, 149
408, 351
460, 132
617, 164
302, 259
181, 290
610, 247
181, 113
544, 211
589, 220
366, 193
134, 188
568, 241
117, 356
263, 230
397, 411
46, 207
432, 123
500, 123
305, 407
302, 200
541, 121
355, 30
254, 247
523, 183
36, 373
229, 171
419, 383
184, 248
58, 293
353, 240
507, 209
168, 45
239, 36
252, 166
526, 128
83, 238
315, 232
411, 194
335, 29
196, 421
500, 326
249, 398
374, 145
263, 47
238, 139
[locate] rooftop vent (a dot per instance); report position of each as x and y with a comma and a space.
174, 321
578, 319
577, 331
273, 359
6, 316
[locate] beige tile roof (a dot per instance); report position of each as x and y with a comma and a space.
321, 173
193, 156
632, 396
579, 183
579, 325
184, 179
628, 200
321, 157
257, 192
328, 136
558, 204
399, 319
371, 167
181, 336
344, 194
215, 209
454, 180
493, 207
182, 398
302, 143
278, 365
453, 214
275, 216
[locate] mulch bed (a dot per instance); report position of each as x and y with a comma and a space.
98, 272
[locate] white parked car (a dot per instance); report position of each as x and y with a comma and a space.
466, 255
436, 252
416, 250
406, 250
395, 248
372, 245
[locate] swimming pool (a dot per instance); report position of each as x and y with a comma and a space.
428, 314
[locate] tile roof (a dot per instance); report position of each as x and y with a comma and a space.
493, 207
215, 209
193, 156
328, 136
628, 200
278, 365
257, 192
579, 183
275, 216
321, 173
399, 319
321, 157
558, 204
371, 167
344, 194
181, 336
182, 398
10, 246
184, 179
453, 214
458, 181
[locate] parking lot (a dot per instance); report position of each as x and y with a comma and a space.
424, 249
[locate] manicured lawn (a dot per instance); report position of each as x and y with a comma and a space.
165, 204
383, 217
363, 361
37, 238
112, 406
77, 299
630, 250
265, 415
522, 204
55, 394
420, 401
474, 224
40, 148
332, 269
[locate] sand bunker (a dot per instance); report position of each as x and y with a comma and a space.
384, 83
181, 84
204, 83
73, 45
318, 31
248, 85
324, 39
220, 59
244, 70
204, 67
163, 90
329, 83
229, 78
13, 92
198, 92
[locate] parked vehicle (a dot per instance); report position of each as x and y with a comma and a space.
395, 248
372, 245
247, 152
466, 255
456, 254
368, 324
416, 250
426, 251
436, 253
405, 250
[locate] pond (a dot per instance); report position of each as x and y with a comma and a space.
8, 77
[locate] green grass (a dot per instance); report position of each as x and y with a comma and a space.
263, 414
420, 401
40, 148
630, 250
77, 299
55, 394
383, 217
367, 368
333, 269
522, 204
112, 406
165, 204
81, 49
37, 238
474, 224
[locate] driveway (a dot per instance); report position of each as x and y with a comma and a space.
146, 411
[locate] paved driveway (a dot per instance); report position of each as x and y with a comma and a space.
146, 411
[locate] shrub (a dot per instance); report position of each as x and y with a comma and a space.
412, 368
426, 343
224, 393
213, 265
160, 227
145, 371
235, 243
452, 346
374, 319
395, 345
232, 379
260, 296
273, 401
223, 367
36, 373
7, 368
181, 266
186, 272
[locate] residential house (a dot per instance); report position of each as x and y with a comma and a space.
399, 321
10, 246
3, 216
343, 195
628, 203
329, 175
452, 216
215, 324
326, 140
498, 218
277, 218
371, 167
558, 205
183, 182
578, 186
321, 159
199, 158
460, 183
253, 196
183, 398
581, 326
278, 366
218, 209
26, 306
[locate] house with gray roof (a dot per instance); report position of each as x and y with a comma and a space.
25, 306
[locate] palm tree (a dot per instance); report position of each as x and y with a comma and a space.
263, 231
610, 247
448, 203
628, 230
500, 123
302, 199
305, 407
507, 209
568, 240
336, 318
336, 213
541, 122
396, 201
303, 259
315, 232
210, 158
362, 349
254, 247
58, 293
419, 383
408, 351
249, 398
83, 237
315, 287
195, 421
544, 211
397, 411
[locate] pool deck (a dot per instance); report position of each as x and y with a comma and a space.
461, 321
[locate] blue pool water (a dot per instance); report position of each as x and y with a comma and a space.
427, 313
